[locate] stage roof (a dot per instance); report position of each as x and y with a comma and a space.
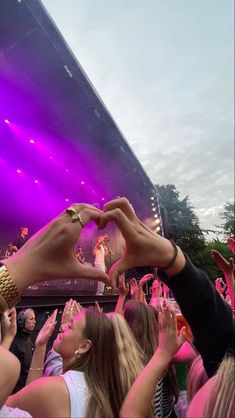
59, 143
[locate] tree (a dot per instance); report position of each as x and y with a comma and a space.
181, 224
206, 261
228, 217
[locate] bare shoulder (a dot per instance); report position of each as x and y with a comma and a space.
47, 396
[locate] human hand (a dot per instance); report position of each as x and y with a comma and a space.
231, 244
134, 288
156, 289
224, 265
168, 340
145, 279
220, 285
123, 287
47, 330
99, 309
50, 254
143, 247
8, 325
71, 308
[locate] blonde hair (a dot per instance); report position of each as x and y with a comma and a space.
222, 399
131, 357
197, 377
131, 361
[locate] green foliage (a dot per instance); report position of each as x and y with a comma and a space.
207, 263
180, 221
228, 217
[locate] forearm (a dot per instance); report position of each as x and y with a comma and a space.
209, 317
36, 366
139, 397
230, 281
120, 304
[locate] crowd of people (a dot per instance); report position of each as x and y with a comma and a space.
173, 357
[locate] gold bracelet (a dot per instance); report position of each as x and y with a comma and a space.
9, 294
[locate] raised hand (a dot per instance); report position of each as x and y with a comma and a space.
134, 288
123, 287
143, 247
47, 330
8, 327
156, 289
145, 279
71, 309
168, 340
51, 253
231, 244
224, 265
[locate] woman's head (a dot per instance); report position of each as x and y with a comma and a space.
217, 397
88, 344
143, 322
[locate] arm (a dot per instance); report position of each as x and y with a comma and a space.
46, 397
140, 395
10, 371
209, 317
227, 267
123, 292
36, 366
8, 327
49, 254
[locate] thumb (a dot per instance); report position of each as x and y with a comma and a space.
92, 273
117, 268
182, 336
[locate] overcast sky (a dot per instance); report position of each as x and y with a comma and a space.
164, 69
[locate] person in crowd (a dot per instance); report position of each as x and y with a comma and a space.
142, 320
86, 345
9, 365
100, 252
51, 253
197, 377
21, 239
22, 345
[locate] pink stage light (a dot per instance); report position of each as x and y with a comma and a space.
103, 198
18, 171
36, 181
82, 182
32, 141
66, 200
67, 170
7, 121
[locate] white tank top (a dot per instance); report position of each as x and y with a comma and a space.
78, 392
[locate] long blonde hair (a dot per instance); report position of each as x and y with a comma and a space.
110, 366
197, 377
222, 400
131, 362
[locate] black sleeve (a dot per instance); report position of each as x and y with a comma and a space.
209, 316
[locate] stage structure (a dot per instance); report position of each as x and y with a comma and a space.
59, 143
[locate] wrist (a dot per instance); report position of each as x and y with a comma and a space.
164, 355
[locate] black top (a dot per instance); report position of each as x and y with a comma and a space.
209, 316
23, 347
19, 241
